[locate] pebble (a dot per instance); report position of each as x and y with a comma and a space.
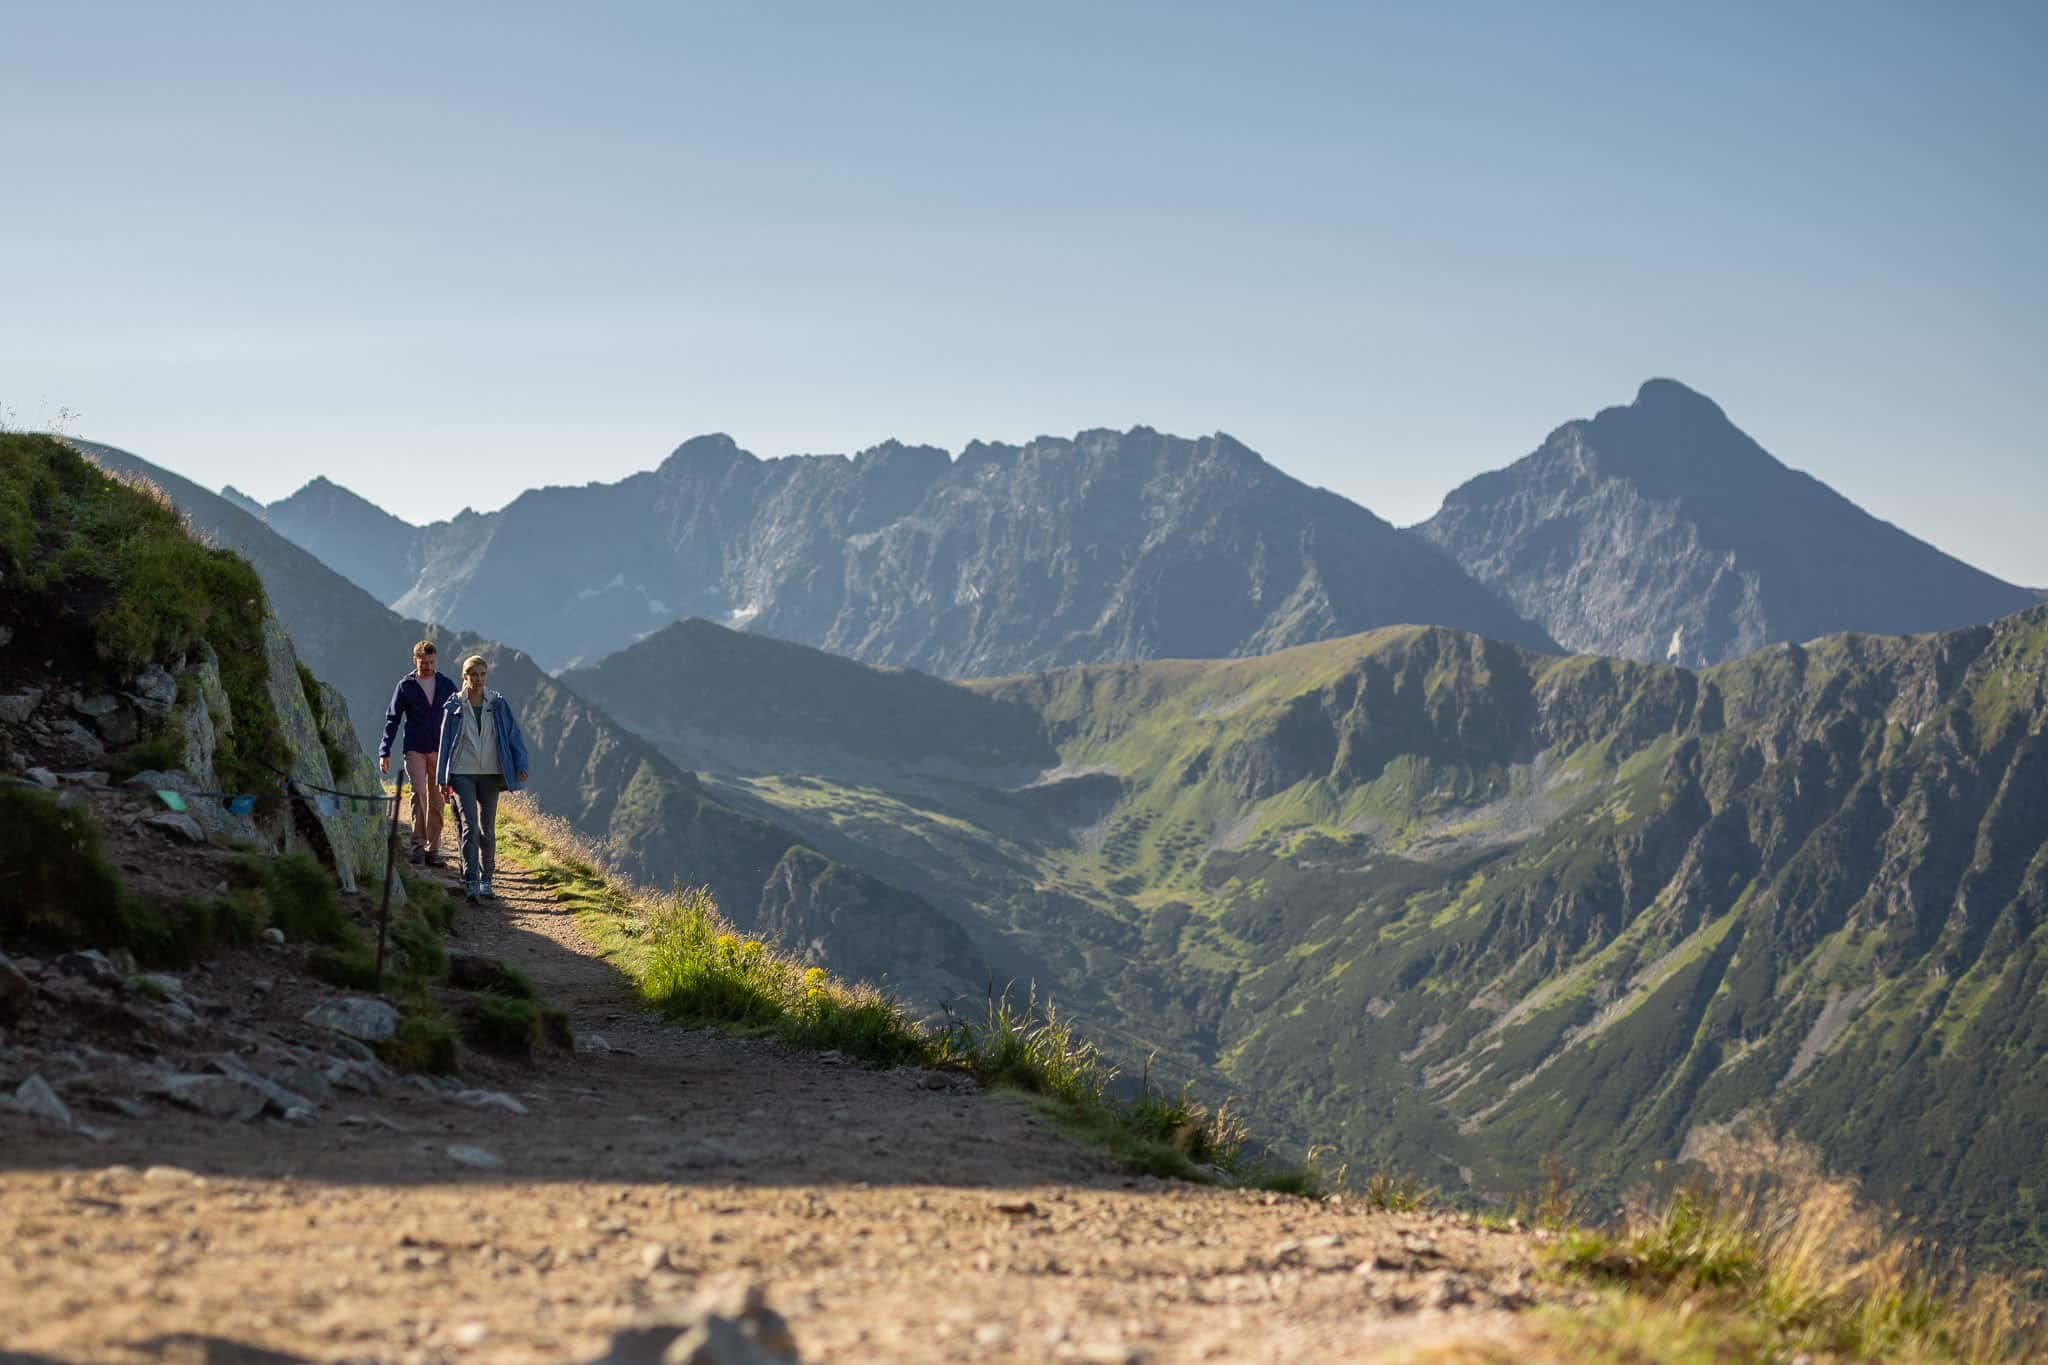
170, 1175
474, 1157
489, 1099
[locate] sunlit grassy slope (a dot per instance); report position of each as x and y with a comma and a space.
1453, 904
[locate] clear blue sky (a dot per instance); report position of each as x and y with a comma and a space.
445, 252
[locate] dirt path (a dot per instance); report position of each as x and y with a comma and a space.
890, 1216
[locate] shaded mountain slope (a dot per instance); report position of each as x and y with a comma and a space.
1661, 532
607, 783
1110, 545
358, 539
745, 703
1458, 905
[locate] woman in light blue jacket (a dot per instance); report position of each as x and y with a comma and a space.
482, 754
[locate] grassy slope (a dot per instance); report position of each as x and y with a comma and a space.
1444, 902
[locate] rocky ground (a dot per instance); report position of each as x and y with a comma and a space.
211, 1168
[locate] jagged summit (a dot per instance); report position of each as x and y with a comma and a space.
1662, 531
1103, 545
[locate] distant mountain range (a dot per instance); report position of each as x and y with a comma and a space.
1456, 905
658, 819
1111, 545
1656, 532
1659, 531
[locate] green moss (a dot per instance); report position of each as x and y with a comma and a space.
339, 761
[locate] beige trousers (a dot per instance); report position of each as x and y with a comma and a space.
426, 800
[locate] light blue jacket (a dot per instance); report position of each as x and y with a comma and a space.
511, 744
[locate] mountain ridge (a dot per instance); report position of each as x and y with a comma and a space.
1102, 545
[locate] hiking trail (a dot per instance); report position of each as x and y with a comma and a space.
888, 1215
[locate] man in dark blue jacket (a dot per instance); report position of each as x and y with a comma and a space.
417, 702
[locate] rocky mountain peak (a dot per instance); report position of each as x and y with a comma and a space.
1669, 398
711, 450
1661, 531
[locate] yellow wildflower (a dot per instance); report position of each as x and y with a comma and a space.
814, 976
754, 945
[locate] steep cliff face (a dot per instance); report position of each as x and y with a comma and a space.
1111, 545
1660, 532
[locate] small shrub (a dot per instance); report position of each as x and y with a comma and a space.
353, 967
414, 948
425, 1041
1390, 1192
429, 899
499, 1023
302, 898
55, 880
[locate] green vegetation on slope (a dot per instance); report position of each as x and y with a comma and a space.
111, 560
1450, 906
688, 962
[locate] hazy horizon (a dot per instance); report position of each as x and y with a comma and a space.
442, 256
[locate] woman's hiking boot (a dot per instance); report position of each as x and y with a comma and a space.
470, 897
484, 890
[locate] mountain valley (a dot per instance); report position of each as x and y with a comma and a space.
1461, 907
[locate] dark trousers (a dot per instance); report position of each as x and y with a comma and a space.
476, 795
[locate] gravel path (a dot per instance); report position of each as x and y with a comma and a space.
890, 1216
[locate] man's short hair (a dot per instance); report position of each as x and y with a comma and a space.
423, 647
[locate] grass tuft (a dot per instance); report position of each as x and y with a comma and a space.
426, 1040
1768, 1238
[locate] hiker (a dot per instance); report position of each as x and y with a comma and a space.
417, 701
482, 754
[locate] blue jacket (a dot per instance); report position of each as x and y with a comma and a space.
511, 744
421, 712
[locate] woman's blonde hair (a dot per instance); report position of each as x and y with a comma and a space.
475, 659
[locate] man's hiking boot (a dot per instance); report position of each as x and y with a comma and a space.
432, 857
484, 890
417, 857
470, 898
